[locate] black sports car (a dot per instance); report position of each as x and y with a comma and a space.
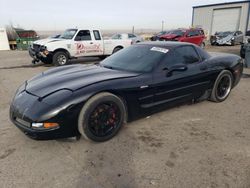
95, 100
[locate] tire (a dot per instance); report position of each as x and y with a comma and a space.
232, 43
60, 58
220, 93
47, 60
202, 45
102, 57
116, 49
91, 113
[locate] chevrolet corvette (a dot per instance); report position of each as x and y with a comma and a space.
96, 100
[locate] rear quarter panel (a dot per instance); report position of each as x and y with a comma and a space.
110, 45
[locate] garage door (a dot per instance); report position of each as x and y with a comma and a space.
226, 19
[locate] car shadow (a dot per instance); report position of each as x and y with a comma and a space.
110, 163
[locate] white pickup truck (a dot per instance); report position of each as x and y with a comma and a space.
74, 43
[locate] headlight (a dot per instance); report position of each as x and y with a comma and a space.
42, 48
232, 38
45, 125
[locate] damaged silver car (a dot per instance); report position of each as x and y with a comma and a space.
227, 38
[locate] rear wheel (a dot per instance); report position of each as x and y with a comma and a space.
116, 49
60, 58
102, 57
222, 86
101, 117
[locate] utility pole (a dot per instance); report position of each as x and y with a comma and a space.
162, 25
133, 30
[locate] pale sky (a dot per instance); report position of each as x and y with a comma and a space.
103, 14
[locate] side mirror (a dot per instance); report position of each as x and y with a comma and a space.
176, 68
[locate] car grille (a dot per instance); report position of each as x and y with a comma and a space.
22, 122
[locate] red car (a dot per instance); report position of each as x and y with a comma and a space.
194, 35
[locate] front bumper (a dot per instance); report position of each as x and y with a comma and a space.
26, 109
39, 56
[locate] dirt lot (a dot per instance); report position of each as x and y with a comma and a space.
201, 145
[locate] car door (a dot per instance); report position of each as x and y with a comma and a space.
84, 45
182, 76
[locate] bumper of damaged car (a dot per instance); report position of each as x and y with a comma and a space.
38, 55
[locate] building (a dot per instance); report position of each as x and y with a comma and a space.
230, 16
4, 43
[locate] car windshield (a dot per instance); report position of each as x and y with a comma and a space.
177, 32
224, 34
68, 34
162, 33
136, 58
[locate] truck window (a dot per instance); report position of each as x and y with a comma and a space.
83, 35
97, 35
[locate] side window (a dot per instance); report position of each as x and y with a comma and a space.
193, 33
172, 59
118, 36
131, 36
188, 54
83, 35
97, 35
240, 33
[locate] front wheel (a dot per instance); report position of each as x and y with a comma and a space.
222, 86
101, 117
60, 58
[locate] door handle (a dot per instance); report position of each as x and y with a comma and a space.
91, 43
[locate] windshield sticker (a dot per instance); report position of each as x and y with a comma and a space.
162, 50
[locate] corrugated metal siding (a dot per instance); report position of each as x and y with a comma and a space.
203, 16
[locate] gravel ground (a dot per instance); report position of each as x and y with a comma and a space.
201, 145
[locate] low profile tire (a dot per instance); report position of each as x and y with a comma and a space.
101, 117
116, 49
222, 86
60, 58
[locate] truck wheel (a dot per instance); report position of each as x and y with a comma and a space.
60, 58
116, 49
102, 57
101, 117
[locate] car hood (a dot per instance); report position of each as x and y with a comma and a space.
71, 78
48, 40
225, 39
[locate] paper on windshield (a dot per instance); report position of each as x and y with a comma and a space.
158, 49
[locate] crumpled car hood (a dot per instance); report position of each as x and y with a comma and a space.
225, 39
48, 40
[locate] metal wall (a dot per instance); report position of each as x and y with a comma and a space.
203, 16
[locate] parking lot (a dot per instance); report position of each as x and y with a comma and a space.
200, 145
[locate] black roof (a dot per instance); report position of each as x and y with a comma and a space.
217, 4
166, 44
